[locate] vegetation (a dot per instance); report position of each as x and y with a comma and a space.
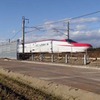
11, 89
94, 52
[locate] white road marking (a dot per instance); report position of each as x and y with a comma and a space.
91, 72
95, 79
59, 77
64, 65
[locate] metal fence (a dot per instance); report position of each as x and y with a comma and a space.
9, 50
68, 58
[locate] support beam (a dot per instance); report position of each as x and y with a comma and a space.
66, 58
41, 57
68, 30
23, 33
32, 57
52, 57
85, 59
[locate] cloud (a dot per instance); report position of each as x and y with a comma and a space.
14, 31
92, 37
80, 27
82, 30
86, 20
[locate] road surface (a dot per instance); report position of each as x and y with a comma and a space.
83, 78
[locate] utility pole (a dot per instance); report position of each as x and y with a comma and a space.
23, 33
68, 30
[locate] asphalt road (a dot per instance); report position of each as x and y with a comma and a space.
83, 78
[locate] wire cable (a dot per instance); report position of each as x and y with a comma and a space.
84, 15
15, 34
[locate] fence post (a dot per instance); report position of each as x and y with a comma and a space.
41, 57
52, 57
32, 57
85, 59
66, 58
17, 56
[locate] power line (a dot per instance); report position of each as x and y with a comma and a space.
84, 15
63, 20
15, 34
43, 26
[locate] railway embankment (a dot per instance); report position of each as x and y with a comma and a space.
15, 86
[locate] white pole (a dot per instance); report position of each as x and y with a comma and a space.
32, 57
85, 59
66, 58
52, 57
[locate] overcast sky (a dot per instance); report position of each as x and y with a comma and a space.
40, 12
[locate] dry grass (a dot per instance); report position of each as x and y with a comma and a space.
12, 89
50, 88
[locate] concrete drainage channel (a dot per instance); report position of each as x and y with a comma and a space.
29, 88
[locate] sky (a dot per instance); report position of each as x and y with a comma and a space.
40, 12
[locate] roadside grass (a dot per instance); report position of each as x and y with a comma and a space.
21, 90
16, 86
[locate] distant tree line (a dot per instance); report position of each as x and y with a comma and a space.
94, 52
